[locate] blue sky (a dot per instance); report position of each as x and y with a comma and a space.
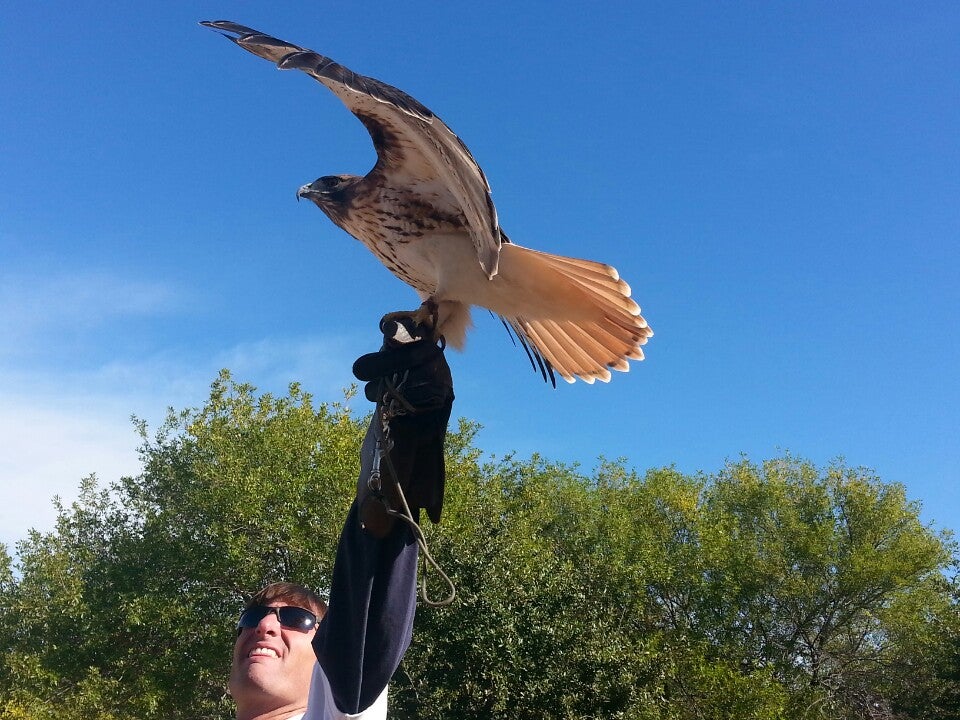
779, 183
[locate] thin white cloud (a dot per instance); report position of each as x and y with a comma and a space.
59, 427
323, 364
49, 450
31, 304
54, 331
68, 394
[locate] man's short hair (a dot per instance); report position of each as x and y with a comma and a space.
292, 594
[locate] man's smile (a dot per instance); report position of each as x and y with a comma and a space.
263, 651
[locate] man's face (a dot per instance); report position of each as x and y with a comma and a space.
272, 666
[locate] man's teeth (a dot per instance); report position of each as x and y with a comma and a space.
270, 652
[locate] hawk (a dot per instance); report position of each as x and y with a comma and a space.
426, 211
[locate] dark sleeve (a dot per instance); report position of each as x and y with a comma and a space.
373, 597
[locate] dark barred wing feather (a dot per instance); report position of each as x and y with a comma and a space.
418, 155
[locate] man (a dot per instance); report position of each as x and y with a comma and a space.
359, 641
273, 660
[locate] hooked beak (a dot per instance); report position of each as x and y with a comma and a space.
307, 191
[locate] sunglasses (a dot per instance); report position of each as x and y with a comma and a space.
293, 618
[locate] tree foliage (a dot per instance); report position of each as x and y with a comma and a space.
772, 590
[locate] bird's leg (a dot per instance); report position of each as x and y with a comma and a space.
419, 323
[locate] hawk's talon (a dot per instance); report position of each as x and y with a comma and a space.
418, 324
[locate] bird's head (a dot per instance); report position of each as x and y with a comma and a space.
329, 191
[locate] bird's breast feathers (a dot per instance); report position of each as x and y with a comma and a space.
408, 235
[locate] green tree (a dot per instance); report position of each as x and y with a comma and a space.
923, 674
804, 568
545, 625
764, 591
126, 608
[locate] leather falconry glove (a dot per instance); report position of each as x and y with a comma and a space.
410, 382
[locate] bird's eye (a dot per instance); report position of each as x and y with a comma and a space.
331, 181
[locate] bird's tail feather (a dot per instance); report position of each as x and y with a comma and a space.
576, 314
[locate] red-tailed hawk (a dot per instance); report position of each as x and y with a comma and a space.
426, 212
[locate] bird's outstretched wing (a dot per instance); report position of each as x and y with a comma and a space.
416, 151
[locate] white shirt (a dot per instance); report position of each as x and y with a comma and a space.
320, 706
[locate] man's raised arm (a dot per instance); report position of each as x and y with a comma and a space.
369, 624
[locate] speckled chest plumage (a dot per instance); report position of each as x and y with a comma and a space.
393, 228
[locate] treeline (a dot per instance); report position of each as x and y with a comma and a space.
772, 590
